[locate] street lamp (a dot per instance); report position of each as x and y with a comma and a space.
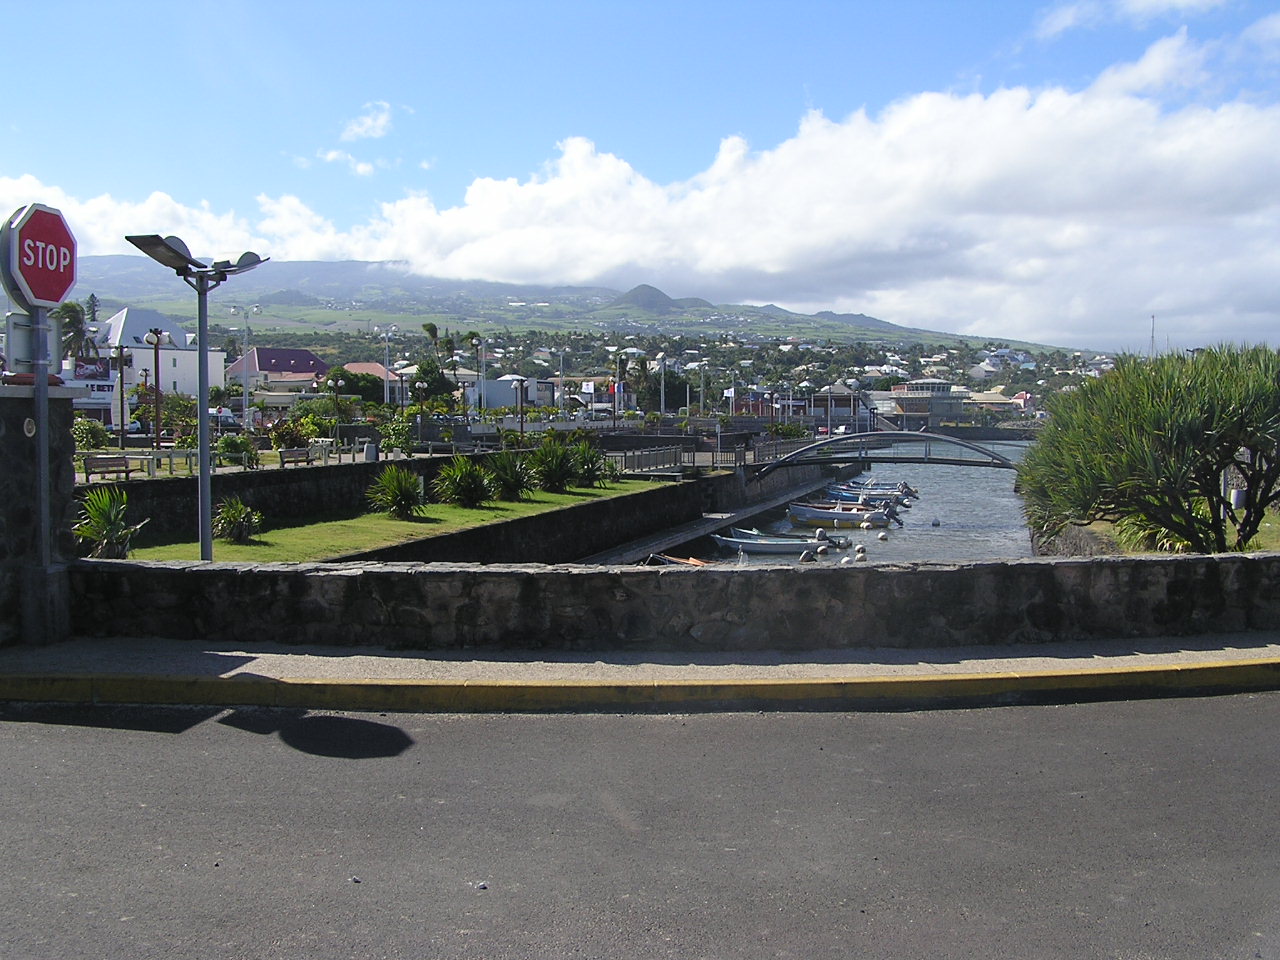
478, 343
121, 358
245, 312
153, 338
520, 382
387, 333
173, 253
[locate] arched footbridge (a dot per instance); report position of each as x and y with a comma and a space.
891, 446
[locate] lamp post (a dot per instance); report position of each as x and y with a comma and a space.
153, 338
171, 252
520, 382
121, 358
478, 343
245, 312
386, 333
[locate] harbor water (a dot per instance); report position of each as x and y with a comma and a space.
978, 514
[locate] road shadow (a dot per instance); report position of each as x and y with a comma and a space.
144, 719
346, 738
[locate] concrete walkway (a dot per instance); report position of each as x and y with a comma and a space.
345, 678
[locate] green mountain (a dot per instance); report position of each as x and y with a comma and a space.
352, 296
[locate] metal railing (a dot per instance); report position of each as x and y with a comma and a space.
654, 458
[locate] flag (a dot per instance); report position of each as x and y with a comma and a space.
729, 393
588, 386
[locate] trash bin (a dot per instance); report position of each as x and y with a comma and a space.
370, 453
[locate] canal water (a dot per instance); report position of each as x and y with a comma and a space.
979, 517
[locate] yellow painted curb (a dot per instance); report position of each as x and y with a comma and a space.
437, 696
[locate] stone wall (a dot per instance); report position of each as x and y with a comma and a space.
791, 608
18, 520
557, 536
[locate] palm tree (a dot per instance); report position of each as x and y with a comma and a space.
77, 340
433, 334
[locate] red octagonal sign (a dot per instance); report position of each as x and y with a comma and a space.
41, 265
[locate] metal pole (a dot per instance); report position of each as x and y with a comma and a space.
120, 386
40, 365
244, 375
205, 507
156, 333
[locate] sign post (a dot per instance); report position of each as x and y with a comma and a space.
38, 266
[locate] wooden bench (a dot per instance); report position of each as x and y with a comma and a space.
296, 455
103, 465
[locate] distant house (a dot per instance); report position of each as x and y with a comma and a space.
278, 378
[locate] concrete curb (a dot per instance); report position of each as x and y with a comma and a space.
672, 696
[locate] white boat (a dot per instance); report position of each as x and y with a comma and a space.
836, 491
881, 486
837, 541
841, 516
772, 545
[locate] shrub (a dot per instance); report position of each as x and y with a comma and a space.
396, 491
236, 521
465, 482
89, 434
288, 435
102, 524
396, 433
513, 475
591, 467
232, 445
554, 465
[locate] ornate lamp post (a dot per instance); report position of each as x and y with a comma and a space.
200, 277
121, 358
520, 382
335, 386
153, 338
245, 312
386, 333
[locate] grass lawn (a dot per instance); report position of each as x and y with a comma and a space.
1267, 539
322, 539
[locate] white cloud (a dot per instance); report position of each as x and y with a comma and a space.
1079, 14
375, 122
1065, 217
1170, 62
361, 168
1068, 16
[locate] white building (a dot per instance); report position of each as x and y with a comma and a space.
178, 370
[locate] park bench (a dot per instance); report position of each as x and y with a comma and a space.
296, 455
103, 465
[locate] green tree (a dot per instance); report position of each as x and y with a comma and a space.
1154, 442
77, 339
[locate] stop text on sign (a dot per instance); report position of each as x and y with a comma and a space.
46, 256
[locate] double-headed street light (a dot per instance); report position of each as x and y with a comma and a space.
153, 338
173, 253
245, 312
121, 358
386, 333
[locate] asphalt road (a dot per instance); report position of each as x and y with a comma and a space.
1108, 830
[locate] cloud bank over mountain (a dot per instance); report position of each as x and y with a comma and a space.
1039, 214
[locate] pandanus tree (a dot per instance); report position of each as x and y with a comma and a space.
1186, 446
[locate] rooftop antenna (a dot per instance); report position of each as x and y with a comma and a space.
1152, 352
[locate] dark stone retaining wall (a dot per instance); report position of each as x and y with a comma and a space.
557, 536
440, 606
23, 616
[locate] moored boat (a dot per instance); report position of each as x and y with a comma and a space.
839, 516
837, 541
772, 545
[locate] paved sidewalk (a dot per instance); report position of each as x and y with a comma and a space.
346, 678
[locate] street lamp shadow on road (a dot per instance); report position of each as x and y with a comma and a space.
173, 253
348, 738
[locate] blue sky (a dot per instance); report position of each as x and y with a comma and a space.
1057, 172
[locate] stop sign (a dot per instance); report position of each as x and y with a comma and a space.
40, 269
